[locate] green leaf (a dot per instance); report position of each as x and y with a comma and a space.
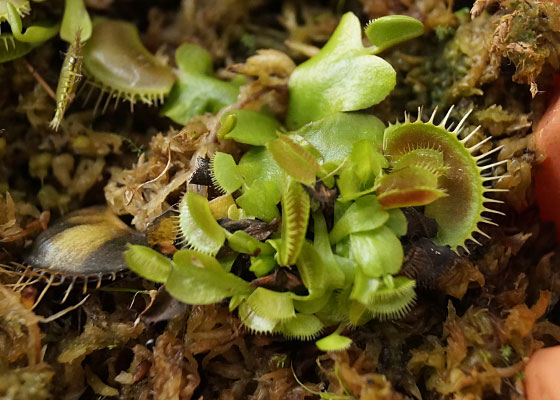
197, 91
364, 287
397, 222
333, 342
198, 227
347, 265
75, 19
301, 327
254, 322
225, 174
262, 265
261, 199
310, 269
258, 165
235, 301
194, 59
295, 216
390, 30
242, 242
200, 279
148, 263
358, 314
251, 127
335, 135
378, 252
365, 214
293, 158
343, 76
263, 178
335, 275
271, 305
408, 187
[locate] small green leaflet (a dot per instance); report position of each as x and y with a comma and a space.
250, 127
197, 90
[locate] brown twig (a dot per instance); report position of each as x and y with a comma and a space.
40, 79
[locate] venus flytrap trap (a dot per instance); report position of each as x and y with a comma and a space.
295, 215
12, 49
22, 7
197, 226
460, 181
76, 29
343, 256
116, 62
18, 43
36, 33
68, 80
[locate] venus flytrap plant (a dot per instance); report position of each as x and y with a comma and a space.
334, 342
390, 30
68, 80
300, 327
410, 186
348, 274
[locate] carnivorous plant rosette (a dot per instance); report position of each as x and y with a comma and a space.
306, 230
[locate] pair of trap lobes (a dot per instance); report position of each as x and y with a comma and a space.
86, 245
